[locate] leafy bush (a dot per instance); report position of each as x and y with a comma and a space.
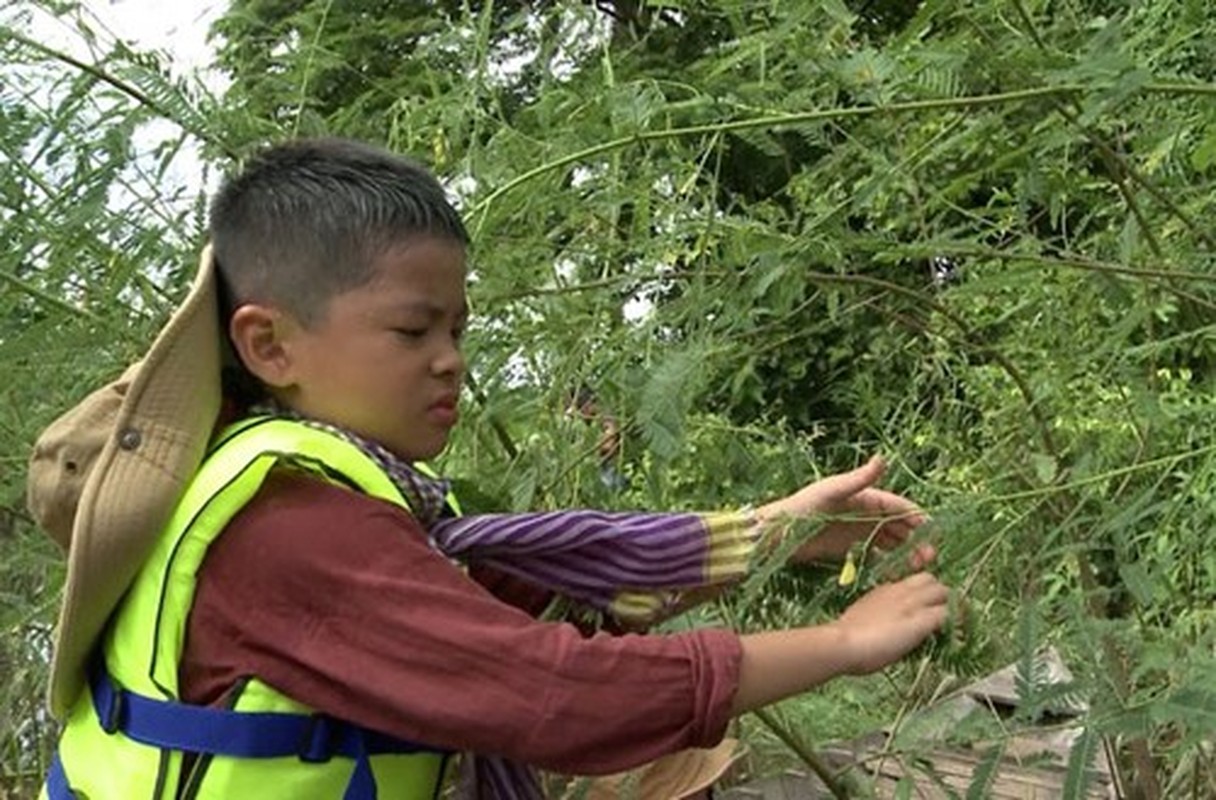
773, 238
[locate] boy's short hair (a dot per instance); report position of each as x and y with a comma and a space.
306, 221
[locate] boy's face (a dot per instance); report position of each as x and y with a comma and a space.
384, 361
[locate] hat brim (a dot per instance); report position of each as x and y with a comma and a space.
158, 437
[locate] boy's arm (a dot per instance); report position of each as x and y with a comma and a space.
338, 601
853, 510
653, 553
631, 565
877, 630
522, 594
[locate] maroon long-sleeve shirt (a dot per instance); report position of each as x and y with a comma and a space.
338, 601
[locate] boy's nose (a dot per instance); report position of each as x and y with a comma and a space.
449, 362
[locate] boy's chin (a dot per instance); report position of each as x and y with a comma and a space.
421, 453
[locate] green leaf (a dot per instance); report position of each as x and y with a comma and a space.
665, 401
985, 772
1080, 775
1204, 154
1045, 467
1137, 580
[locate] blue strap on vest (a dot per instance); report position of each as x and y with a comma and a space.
168, 724
57, 781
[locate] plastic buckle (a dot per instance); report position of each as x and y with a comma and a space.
114, 714
317, 745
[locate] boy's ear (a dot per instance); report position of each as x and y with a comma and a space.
261, 337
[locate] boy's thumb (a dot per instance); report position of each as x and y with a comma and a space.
853, 481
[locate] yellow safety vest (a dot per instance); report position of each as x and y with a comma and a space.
126, 734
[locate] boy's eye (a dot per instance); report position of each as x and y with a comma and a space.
410, 333
458, 333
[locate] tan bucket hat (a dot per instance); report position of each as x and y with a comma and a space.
105, 476
670, 777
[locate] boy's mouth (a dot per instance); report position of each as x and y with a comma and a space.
444, 411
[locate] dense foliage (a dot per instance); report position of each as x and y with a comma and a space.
771, 237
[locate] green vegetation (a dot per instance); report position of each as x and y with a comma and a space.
774, 237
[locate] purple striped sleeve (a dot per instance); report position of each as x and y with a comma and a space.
593, 556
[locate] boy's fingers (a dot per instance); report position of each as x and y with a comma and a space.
923, 556
925, 588
850, 483
935, 617
919, 557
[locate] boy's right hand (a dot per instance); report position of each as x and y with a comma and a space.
883, 626
889, 621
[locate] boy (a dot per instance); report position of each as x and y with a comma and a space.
287, 619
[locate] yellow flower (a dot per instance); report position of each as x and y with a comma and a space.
848, 573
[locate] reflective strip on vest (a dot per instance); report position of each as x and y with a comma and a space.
142, 651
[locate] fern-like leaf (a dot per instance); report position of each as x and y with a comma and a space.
985, 772
1080, 775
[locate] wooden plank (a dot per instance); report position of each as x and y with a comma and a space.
955, 768
1032, 767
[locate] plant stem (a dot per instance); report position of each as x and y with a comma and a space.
804, 752
815, 115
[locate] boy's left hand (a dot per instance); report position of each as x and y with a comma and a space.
861, 513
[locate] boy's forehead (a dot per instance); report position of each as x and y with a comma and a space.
403, 245
425, 274
420, 254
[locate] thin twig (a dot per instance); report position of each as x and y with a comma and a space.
783, 120
126, 88
805, 753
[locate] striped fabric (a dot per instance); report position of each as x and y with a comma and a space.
631, 565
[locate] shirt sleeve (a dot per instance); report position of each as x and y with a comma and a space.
340, 602
633, 565
522, 594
